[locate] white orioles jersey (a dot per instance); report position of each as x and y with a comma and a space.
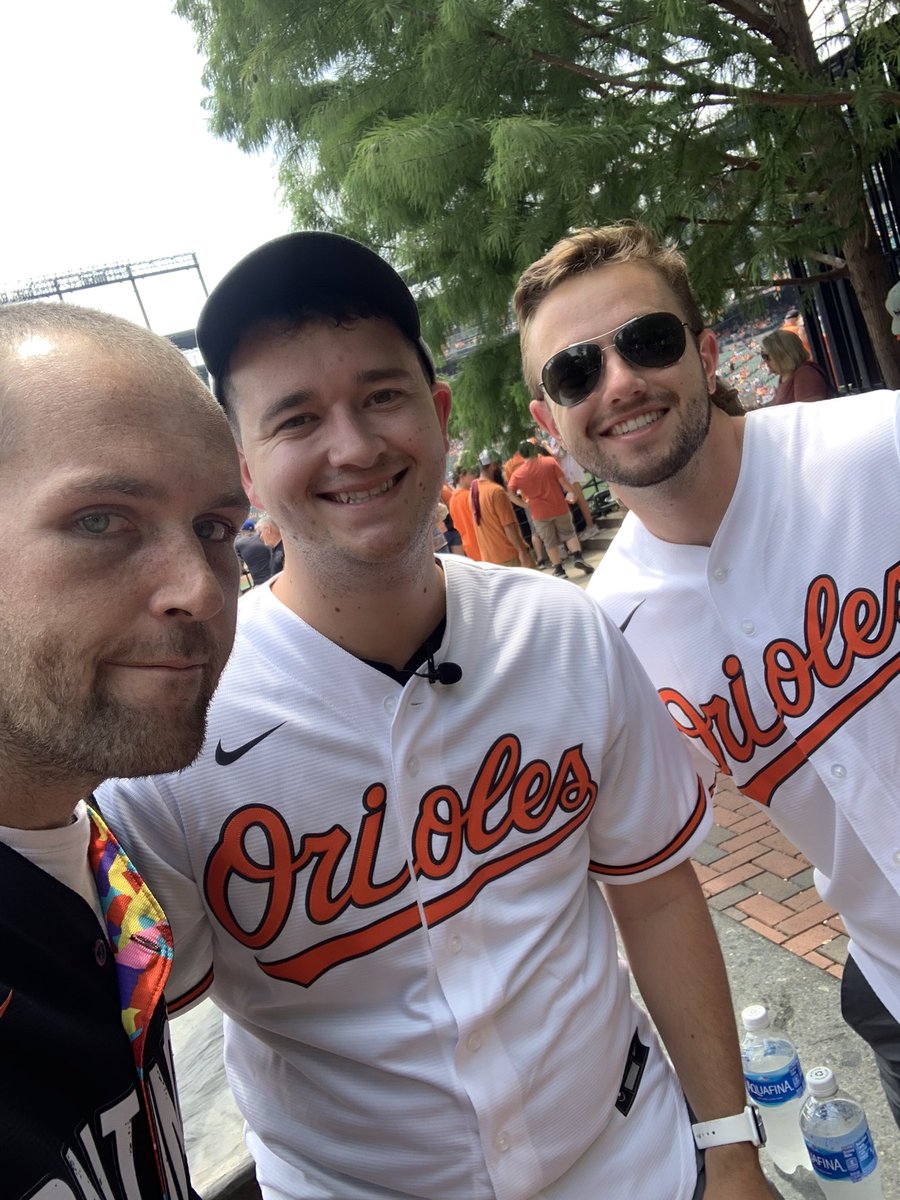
390, 891
777, 649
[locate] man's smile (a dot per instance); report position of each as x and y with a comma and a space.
635, 423
361, 495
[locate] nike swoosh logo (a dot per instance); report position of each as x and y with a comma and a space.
226, 757
627, 620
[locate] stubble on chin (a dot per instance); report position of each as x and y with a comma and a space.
50, 719
691, 432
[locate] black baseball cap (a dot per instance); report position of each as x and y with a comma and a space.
294, 270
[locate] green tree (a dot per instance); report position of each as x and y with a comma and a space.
463, 137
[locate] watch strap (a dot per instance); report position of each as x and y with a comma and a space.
744, 1126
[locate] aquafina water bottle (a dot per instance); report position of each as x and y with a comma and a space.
775, 1083
840, 1144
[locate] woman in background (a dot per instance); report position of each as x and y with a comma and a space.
799, 378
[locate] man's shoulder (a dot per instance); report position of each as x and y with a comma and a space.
816, 445
624, 568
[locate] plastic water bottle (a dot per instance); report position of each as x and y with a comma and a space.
840, 1145
775, 1082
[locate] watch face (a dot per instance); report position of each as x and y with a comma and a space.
756, 1117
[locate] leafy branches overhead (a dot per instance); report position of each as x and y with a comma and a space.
464, 136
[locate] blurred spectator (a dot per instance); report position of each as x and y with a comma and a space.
541, 482
439, 535
461, 510
892, 304
799, 378
261, 550
499, 537
793, 323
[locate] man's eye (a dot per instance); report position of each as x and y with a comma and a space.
297, 421
101, 523
214, 531
385, 396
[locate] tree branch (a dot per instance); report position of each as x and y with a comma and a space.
722, 93
802, 281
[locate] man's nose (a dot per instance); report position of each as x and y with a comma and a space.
353, 441
619, 380
186, 583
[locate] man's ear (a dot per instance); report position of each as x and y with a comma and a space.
252, 494
708, 347
541, 413
443, 402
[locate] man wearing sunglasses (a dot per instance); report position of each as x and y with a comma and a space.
760, 593
383, 865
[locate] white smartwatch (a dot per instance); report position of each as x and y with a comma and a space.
746, 1126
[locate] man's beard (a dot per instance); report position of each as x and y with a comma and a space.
50, 718
689, 437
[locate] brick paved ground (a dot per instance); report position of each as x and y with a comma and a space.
749, 870
752, 873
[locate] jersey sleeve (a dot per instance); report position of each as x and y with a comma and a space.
148, 828
652, 808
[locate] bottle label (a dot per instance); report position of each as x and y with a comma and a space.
853, 1161
776, 1089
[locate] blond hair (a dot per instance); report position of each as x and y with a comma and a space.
149, 356
586, 249
785, 350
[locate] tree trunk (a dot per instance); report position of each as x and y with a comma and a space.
868, 273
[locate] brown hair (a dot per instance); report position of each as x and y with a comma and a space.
584, 250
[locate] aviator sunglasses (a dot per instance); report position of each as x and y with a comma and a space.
655, 340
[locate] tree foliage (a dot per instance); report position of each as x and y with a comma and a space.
463, 137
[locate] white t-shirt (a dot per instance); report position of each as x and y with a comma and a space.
62, 853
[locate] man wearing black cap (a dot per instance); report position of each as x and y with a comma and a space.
381, 865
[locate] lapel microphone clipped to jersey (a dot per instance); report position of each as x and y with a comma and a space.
446, 672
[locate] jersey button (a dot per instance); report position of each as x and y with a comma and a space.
897, 858
413, 766
748, 627
390, 705
474, 1042
839, 771
100, 952
720, 574
503, 1142
456, 943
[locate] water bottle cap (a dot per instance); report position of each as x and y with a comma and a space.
756, 1016
821, 1082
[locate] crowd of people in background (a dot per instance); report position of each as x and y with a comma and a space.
530, 511
759, 359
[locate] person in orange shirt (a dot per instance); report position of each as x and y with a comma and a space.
537, 545
461, 510
540, 481
496, 527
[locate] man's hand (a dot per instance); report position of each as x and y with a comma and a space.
525, 557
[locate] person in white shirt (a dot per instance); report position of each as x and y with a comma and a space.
758, 589
383, 866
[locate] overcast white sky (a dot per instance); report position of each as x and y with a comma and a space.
107, 157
